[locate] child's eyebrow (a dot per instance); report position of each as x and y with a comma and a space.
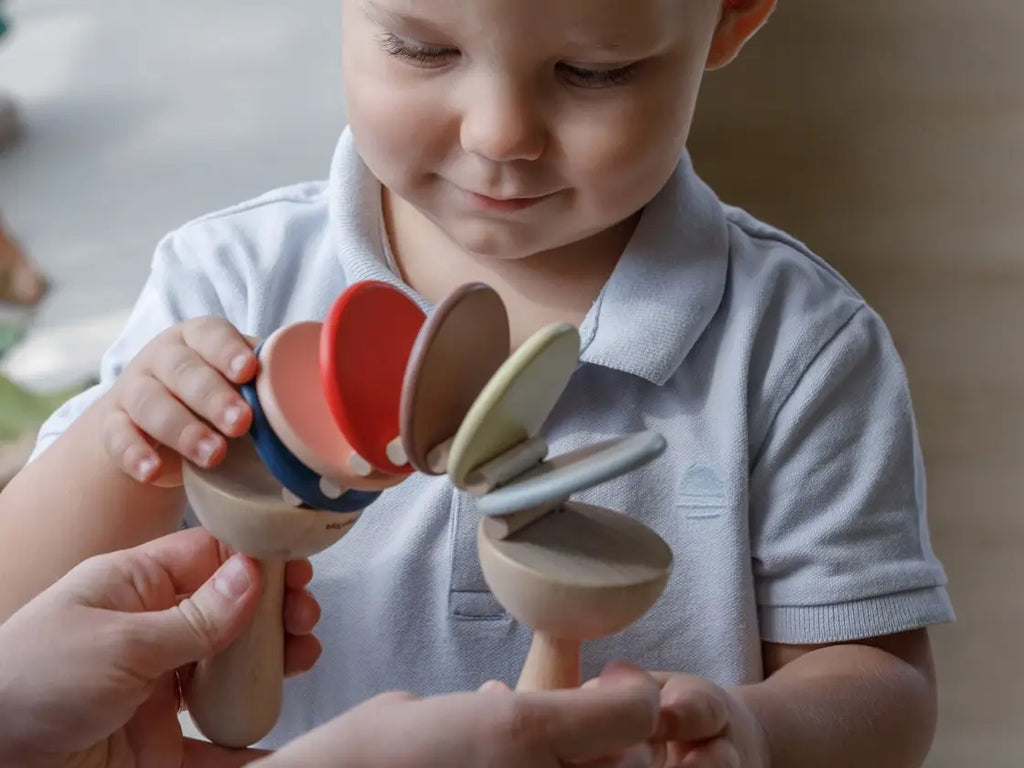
604, 46
386, 17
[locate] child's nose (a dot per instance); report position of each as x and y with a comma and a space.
503, 124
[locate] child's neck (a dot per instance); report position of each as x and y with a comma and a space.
553, 286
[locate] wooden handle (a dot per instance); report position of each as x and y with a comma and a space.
551, 664
235, 697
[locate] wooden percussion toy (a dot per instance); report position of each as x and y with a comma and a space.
326, 406
570, 571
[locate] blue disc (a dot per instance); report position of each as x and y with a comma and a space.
292, 473
561, 476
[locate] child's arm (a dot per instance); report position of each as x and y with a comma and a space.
866, 703
93, 490
871, 703
839, 551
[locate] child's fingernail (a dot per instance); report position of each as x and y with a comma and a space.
147, 467
206, 448
232, 415
239, 363
232, 580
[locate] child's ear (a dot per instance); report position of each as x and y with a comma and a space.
740, 20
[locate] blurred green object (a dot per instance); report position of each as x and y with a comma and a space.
23, 411
9, 336
14, 324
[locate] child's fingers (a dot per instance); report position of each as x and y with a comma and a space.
692, 709
129, 448
222, 346
170, 469
201, 388
160, 415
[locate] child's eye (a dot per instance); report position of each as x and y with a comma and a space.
417, 53
598, 78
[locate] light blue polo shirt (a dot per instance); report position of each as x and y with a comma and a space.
792, 490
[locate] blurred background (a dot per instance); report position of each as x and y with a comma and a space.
887, 136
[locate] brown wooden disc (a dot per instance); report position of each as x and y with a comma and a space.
459, 348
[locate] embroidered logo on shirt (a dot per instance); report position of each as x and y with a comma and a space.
701, 493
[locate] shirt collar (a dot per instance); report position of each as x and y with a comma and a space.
667, 286
657, 303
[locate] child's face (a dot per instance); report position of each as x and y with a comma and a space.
518, 126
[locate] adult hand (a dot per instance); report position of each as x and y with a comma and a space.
88, 672
601, 728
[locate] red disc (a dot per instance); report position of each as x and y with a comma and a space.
364, 349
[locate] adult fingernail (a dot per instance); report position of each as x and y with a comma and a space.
232, 580
493, 686
617, 671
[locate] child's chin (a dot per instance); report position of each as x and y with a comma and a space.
500, 241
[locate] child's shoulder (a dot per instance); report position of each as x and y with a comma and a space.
294, 205
764, 254
273, 252
257, 230
784, 310
784, 290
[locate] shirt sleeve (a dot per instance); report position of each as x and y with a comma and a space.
839, 533
178, 288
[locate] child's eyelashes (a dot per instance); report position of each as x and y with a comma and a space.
598, 78
435, 56
416, 53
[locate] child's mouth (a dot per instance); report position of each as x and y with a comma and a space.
507, 204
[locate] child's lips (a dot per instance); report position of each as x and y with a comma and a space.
510, 203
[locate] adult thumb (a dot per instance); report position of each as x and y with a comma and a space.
206, 622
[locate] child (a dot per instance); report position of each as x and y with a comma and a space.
539, 146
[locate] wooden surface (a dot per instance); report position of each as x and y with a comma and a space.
293, 400
291, 394
579, 573
516, 401
559, 477
368, 336
235, 697
460, 346
890, 138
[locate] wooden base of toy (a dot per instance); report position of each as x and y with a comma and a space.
578, 573
235, 697
552, 663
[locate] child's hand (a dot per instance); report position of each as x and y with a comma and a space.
702, 726
705, 726
178, 398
